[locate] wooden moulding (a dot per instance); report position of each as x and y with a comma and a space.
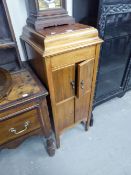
62, 39
5, 83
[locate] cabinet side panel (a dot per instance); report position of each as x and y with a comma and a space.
94, 80
37, 63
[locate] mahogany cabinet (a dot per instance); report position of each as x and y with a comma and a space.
24, 112
65, 58
113, 21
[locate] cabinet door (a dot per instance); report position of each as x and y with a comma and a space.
84, 83
85, 73
82, 107
64, 87
65, 114
64, 83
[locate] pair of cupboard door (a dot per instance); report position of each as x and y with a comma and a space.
72, 86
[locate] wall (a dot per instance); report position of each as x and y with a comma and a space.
86, 11
18, 13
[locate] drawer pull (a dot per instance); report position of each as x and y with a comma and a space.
26, 125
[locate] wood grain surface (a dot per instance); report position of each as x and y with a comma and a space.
70, 55
24, 112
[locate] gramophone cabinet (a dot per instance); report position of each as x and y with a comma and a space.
65, 58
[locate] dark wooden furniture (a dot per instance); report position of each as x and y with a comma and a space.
9, 54
113, 20
5, 83
66, 58
24, 112
46, 13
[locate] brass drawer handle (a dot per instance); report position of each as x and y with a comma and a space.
26, 125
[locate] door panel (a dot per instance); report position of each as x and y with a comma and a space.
82, 107
65, 114
114, 18
113, 62
122, 23
85, 74
64, 83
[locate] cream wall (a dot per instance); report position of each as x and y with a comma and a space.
17, 10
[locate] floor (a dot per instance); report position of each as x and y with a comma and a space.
104, 150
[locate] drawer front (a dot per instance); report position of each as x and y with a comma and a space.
19, 125
73, 57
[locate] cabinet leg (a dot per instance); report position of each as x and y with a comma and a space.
50, 147
91, 120
85, 125
57, 142
121, 95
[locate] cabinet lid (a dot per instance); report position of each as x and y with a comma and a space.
56, 40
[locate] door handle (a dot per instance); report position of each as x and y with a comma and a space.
73, 84
82, 84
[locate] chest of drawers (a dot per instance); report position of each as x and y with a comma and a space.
24, 112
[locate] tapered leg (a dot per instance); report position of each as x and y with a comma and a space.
121, 95
85, 125
57, 141
92, 120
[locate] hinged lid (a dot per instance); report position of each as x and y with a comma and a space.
57, 40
